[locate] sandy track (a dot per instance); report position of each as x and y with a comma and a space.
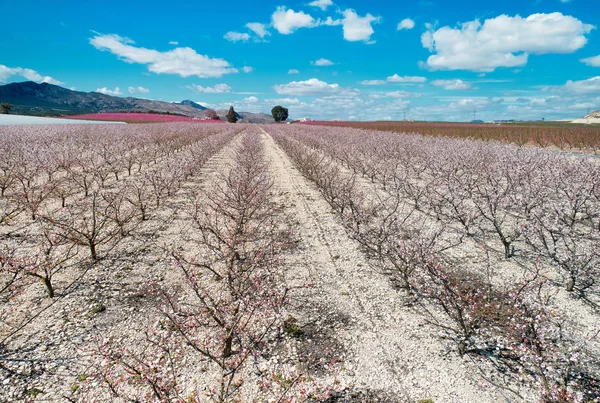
389, 348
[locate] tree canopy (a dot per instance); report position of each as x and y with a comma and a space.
5, 108
279, 113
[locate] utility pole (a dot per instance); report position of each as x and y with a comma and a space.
405, 116
474, 113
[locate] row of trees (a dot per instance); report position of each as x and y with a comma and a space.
62, 210
228, 312
433, 215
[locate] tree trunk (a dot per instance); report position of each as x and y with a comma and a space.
49, 289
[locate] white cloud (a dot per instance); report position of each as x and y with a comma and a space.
287, 21
293, 71
322, 62
182, 61
452, 84
322, 4
358, 28
258, 28
406, 23
372, 82
284, 101
503, 41
31, 75
592, 61
236, 36
312, 87
174, 43
251, 100
405, 79
589, 86
133, 90
247, 69
400, 94
217, 89
106, 91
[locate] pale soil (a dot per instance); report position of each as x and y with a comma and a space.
389, 347
345, 307
54, 347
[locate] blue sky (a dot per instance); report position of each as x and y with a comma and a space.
423, 59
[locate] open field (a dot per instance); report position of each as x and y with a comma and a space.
294, 263
563, 136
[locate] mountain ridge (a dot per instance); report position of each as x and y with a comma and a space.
43, 99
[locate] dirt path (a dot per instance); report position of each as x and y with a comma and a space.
389, 348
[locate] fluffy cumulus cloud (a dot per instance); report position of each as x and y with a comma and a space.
106, 91
406, 23
452, 84
357, 28
141, 90
592, 61
184, 62
29, 74
312, 87
237, 36
247, 69
322, 4
405, 79
322, 62
217, 89
259, 29
293, 71
287, 21
503, 41
251, 100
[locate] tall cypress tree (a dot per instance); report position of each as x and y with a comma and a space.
231, 116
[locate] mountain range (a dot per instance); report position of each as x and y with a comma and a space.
30, 98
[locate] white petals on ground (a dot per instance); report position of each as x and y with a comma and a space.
503, 41
184, 62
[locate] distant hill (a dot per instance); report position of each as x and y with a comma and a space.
29, 98
590, 118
